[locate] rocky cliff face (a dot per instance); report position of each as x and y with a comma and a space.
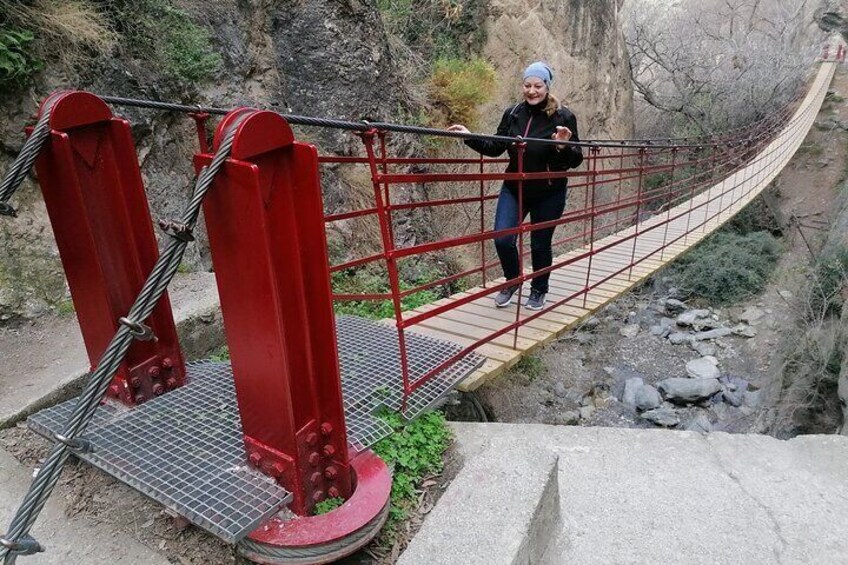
583, 43
302, 56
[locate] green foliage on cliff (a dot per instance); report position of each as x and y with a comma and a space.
17, 59
457, 89
156, 31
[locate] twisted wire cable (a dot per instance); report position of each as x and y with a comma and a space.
87, 403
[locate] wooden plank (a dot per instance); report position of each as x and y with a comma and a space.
492, 324
467, 330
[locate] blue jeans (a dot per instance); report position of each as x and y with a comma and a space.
543, 206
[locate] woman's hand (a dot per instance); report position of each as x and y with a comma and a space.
562, 134
459, 128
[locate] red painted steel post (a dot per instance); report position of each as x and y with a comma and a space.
594, 151
384, 215
482, 221
520, 147
264, 216
691, 199
826, 52
95, 198
638, 209
669, 203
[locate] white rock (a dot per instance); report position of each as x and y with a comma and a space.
630, 330
662, 417
677, 338
688, 390
586, 412
703, 368
689, 317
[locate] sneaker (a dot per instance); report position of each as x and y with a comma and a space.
536, 300
504, 297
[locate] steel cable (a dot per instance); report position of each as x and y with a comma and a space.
23, 162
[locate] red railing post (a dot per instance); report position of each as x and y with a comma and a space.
265, 219
90, 178
386, 234
642, 151
592, 185
670, 202
520, 147
483, 221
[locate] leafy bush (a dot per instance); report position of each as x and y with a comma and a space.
727, 267
364, 282
414, 450
156, 31
17, 61
531, 367
435, 28
458, 88
827, 291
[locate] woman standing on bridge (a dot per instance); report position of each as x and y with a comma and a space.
539, 116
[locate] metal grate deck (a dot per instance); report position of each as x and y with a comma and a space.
185, 449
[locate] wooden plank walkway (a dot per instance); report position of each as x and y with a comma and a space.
701, 215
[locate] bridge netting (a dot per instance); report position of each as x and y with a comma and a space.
632, 206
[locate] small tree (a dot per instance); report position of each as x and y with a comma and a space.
701, 66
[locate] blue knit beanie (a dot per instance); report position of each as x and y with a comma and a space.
540, 70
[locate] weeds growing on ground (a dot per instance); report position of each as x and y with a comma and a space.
414, 450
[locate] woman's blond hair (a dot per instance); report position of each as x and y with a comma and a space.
552, 106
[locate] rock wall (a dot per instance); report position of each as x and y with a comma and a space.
582, 41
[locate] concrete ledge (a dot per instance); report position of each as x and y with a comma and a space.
498, 511
47, 363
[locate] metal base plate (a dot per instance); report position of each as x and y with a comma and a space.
185, 449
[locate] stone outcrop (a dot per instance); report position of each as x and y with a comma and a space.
583, 43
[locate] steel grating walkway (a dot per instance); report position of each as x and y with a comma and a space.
185, 449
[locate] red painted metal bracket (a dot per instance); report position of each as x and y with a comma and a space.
264, 216
95, 199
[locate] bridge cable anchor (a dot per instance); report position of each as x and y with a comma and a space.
139, 331
6, 209
75, 444
177, 230
24, 546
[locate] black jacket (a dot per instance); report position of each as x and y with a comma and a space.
532, 122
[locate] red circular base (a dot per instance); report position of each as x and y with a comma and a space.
323, 539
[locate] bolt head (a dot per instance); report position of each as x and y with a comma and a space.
139, 398
314, 459
331, 472
254, 458
158, 389
114, 390
333, 492
329, 450
277, 470
326, 428
318, 496
311, 439
315, 479
171, 383
154, 371
135, 382
168, 363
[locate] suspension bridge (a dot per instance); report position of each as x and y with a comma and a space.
288, 422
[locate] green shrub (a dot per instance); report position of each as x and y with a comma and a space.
435, 28
414, 450
827, 291
17, 61
531, 367
458, 88
727, 267
364, 282
165, 36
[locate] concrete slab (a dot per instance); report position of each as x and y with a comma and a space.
68, 540
660, 496
47, 362
509, 512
